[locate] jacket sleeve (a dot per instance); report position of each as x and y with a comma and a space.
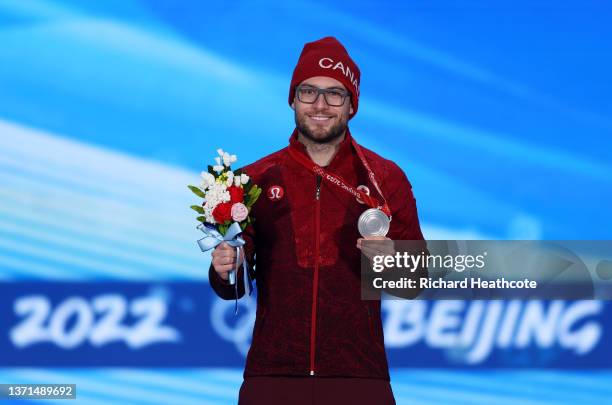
404, 225
405, 220
221, 287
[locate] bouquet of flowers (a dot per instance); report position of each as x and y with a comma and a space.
228, 195
227, 200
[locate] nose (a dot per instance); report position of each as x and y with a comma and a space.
320, 102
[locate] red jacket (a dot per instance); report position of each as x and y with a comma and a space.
310, 316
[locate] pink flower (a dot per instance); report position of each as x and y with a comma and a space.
239, 212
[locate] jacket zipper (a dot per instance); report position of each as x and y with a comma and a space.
315, 282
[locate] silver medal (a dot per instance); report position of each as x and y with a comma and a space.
373, 222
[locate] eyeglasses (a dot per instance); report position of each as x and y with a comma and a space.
310, 95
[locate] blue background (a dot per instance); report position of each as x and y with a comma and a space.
499, 113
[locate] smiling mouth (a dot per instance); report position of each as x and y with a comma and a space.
321, 118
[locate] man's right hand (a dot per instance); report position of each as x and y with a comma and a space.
224, 259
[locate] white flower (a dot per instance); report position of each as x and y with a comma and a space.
226, 159
233, 158
244, 179
230, 178
207, 179
217, 193
237, 181
218, 168
220, 152
218, 160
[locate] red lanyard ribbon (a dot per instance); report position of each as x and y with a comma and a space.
340, 182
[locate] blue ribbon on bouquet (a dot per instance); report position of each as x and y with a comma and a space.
232, 237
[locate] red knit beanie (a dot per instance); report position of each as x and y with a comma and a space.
327, 57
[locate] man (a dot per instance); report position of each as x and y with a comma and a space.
315, 341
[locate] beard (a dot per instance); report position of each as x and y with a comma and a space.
333, 133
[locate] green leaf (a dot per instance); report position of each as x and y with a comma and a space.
201, 219
248, 197
254, 194
198, 209
197, 191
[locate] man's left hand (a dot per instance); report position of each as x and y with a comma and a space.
384, 248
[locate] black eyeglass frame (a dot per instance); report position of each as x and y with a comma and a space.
345, 94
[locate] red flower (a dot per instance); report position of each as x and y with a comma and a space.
236, 194
223, 212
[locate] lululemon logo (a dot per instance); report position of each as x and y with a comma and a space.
275, 193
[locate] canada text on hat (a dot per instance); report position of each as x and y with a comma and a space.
329, 63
